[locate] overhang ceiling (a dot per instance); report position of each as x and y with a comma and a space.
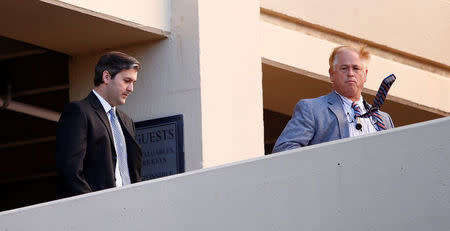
38, 78
69, 29
282, 89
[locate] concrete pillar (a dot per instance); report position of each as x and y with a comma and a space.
231, 81
208, 69
169, 82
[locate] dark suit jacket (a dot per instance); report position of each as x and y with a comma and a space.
318, 120
85, 153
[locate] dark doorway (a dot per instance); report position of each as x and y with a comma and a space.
35, 77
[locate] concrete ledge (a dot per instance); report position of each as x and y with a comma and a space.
392, 180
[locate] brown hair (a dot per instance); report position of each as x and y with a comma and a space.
114, 62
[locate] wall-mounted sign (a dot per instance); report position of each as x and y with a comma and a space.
162, 146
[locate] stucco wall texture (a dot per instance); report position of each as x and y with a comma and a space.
391, 180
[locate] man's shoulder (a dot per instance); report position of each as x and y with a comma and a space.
317, 106
315, 101
384, 114
123, 115
78, 105
386, 119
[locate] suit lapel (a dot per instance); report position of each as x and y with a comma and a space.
335, 105
127, 126
124, 123
98, 108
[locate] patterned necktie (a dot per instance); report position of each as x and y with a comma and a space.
119, 141
356, 109
378, 101
383, 90
373, 112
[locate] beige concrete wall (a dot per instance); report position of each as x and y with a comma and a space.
309, 55
169, 82
152, 13
341, 185
417, 27
231, 81
209, 70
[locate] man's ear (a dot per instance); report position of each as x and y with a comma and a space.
106, 77
331, 72
365, 74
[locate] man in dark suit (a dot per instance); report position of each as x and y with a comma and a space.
331, 117
95, 145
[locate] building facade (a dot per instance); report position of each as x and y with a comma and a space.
233, 69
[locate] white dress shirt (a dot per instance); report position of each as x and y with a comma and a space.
367, 124
107, 107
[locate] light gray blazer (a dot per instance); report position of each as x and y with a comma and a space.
317, 120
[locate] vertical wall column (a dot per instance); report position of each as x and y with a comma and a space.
208, 69
231, 81
169, 82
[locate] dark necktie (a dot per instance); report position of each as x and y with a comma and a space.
377, 102
383, 90
373, 112
121, 151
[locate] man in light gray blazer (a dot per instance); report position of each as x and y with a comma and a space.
331, 117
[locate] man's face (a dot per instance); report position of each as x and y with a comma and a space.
118, 88
348, 75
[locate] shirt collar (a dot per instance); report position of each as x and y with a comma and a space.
104, 103
348, 102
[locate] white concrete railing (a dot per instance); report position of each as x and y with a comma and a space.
392, 180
